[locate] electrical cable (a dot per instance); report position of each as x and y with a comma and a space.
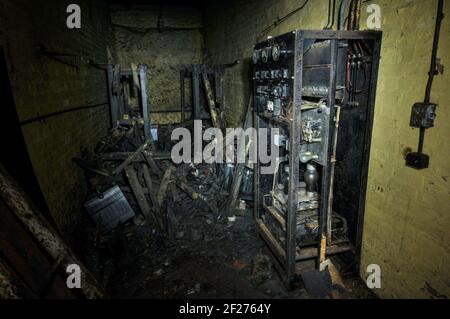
280, 20
329, 19
145, 30
331, 12
341, 22
432, 72
42, 118
56, 56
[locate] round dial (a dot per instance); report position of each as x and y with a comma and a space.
276, 52
276, 91
265, 54
256, 56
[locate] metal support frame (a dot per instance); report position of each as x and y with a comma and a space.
182, 94
367, 146
113, 100
117, 99
198, 100
145, 100
294, 159
196, 78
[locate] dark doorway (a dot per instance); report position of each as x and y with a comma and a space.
14, 155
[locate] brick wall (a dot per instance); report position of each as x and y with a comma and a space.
176, 45
407, 218
42, 86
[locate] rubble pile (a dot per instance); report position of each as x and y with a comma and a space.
169, 215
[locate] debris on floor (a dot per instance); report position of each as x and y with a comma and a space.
161, 229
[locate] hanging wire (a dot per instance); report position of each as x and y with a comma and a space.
281, 20
331, 14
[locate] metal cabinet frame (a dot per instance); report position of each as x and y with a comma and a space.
286, 258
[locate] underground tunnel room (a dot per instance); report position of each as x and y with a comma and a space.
244, 151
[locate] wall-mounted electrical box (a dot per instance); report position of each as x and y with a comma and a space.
423, 115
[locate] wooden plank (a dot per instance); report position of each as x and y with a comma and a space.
239, 169
196, 92
131, 158
210, 99
174, 191
120, 156
312, 252
11, 286
150, 189
276, 216
195, 195
113, 98
152, 163
162, 192
18, 247
218, 86
182, 95
273, 243
157, 207
138, 193
47, 238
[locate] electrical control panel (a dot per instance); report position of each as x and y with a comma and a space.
317, 89
273, 61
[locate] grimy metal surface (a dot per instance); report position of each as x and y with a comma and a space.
367, 143
294, 158
116, 100
199, 104
145, 100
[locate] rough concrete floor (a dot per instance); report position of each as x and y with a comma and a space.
230, 261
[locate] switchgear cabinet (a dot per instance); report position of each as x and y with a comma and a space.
318, 89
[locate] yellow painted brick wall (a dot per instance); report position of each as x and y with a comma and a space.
42, 86
407, 219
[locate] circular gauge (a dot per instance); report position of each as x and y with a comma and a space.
276, 52
276, 90
256, 56
265, 54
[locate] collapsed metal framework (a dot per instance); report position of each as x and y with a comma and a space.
126, 83
293, 71
198, 105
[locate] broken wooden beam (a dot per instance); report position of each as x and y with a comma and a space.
17, 201
150, 188
162, 192
131, 158
120, 156
239, 168
210, 99
138, 193
11, 286
152, 163
184, 186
